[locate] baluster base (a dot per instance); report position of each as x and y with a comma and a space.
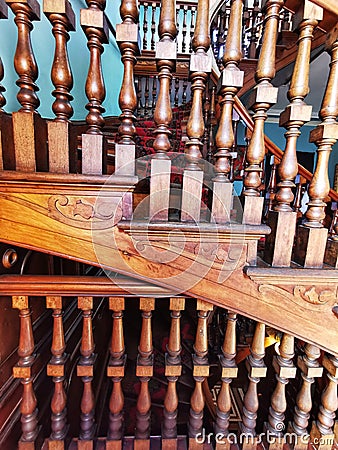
29, 131
297, 442
142, 444
321, 441
252, 210
159, 190
7, 157
169, 444
278, 246
191, 196
125, 159
93, 151
221, 202
331, 253
310, 247
113, 445
58, 147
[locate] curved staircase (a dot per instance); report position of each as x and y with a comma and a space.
155, 307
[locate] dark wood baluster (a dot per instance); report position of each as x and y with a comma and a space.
184, 91
200, 372
127, 37
62, 17
94, 23
200, 67
146, 96
184, 29
166, 63
271, 189
285, 370
206, 118
139, 96
23, 371
263, 97
211, 140
177, 87
85, 370
153, 94
282, 220
256, 371
144, 370
312, 237
231, 81
323, 432
153, 25
253, 35
3, 15
173, 369
145, 27
115, 370
26, 121
192, 26
229, 371
310, 368
297, 204
56, 369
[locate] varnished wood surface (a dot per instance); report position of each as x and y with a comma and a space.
28, 225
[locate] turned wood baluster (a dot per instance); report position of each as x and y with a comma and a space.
200, 66
212, 124
85, 370
173, 369
23, 370
166, 56
144, 370
310, 368
145, 26
256, 370
323, 428
115, 370
324, 136
192, 26
153, 94
166, 62
297, 112
24, 60
127, 37
285, 370
61, 74
184, 29
63, 21
200, 371
153, 26
94, 25
264, 96
229, 371
231, 80
56, 369
3, 15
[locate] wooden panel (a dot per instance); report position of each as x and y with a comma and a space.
58, 146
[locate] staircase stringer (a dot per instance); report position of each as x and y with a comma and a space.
203, 262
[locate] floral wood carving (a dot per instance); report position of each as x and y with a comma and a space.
91, 213
313, 295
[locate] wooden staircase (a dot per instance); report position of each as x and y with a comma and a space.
133, 293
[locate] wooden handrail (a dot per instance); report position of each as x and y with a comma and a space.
272, 147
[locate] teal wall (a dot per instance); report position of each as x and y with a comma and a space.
43, 47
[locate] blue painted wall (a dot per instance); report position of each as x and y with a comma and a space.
43, 47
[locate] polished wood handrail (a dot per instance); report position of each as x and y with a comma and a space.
273, 148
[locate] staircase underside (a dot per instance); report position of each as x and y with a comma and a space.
215, 263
